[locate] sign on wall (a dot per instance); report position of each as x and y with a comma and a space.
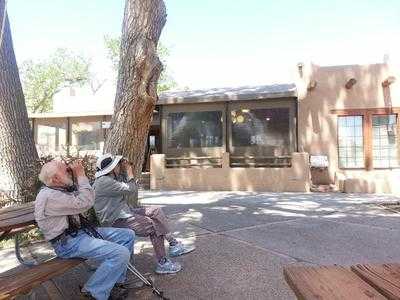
105, 124
319, 161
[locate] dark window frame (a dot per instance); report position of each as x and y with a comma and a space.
195, 151
247, 155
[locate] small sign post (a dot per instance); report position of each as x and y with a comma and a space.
319, 161
105, 124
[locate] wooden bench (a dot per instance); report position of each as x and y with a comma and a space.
384, 278
17, 219
26, 280
336, 282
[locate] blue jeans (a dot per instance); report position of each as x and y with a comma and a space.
113, 254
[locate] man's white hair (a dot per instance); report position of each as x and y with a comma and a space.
48, 171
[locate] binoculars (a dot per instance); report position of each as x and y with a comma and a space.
124, 160
69, 170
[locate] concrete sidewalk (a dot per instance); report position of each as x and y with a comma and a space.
245, 239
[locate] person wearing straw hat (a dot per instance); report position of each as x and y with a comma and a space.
116, 205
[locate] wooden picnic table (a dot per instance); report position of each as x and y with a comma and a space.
363, 281
13, 221
15, 218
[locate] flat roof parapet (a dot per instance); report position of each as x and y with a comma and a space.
229, 94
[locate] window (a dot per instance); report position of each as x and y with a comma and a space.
350, 139
262, 134
51, 136
384, 130
263, 128
194, 129
87, 135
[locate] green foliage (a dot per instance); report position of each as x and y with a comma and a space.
112, 46
165, 82
43, 79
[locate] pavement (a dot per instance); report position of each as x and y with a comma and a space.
244, 240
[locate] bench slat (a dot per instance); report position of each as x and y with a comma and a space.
19, 207
385, 278
19, 222
328, 283
16, 215
23, 282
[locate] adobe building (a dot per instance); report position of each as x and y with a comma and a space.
335, 126
350, 114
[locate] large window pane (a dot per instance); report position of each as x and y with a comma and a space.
87, 135
194, 129
384, 131
51, 136
267, 128
350, 139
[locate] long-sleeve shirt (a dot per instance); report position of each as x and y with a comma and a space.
52, 207
114, 199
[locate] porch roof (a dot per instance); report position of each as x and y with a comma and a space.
229, 94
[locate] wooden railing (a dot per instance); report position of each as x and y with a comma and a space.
235, 161
195, 161
261, 161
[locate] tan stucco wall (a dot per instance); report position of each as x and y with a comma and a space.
294, 179
317, 132
377, 181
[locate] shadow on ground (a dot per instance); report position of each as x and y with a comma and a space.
245, 239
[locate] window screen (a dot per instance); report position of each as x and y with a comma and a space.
194, 129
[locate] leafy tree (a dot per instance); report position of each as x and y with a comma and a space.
42, 80
165, 82
112, 45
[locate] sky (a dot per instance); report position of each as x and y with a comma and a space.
216, 43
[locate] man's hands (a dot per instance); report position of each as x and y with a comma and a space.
126, 166
77, 168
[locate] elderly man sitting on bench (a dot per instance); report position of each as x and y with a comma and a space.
57, 212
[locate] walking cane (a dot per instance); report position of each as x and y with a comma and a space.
146, 281
131, 268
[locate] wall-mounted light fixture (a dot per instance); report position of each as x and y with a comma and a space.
300, 68
349, 84
312, 85
388, 81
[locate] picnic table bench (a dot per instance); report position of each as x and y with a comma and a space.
13, 221
363, 281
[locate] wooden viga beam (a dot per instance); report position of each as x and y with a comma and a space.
388, 81
349, 84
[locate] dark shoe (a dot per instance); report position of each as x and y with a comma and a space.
85, 295
131, 284
118, 293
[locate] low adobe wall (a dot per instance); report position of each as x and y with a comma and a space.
374, 181
293, 179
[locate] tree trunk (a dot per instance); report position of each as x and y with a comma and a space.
139, 70
17, 148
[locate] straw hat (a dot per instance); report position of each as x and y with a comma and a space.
106, 163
